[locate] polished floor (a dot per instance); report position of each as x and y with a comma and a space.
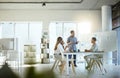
112, 71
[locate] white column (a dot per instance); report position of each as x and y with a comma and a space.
107, 26
106, 18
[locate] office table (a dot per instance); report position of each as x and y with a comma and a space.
77, 53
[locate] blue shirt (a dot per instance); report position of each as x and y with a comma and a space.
72, 47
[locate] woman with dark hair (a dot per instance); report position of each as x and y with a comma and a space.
59, 49
59, 42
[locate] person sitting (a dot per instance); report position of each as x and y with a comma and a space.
59, 49
93, 48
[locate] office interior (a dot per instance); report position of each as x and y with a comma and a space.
29, 30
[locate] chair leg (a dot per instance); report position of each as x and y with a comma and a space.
86, 59
54, 65
73, 67
94, 65
57, 64
98, 63
62, 67
103, 66
91, 65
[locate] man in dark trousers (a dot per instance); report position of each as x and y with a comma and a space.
72, 42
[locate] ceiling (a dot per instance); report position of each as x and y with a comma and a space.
85, 5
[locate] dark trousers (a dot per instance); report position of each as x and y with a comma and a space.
74, 57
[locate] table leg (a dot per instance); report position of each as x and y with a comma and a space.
67, 64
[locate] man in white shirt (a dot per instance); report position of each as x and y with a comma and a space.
93, 48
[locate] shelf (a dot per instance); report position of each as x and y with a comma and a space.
31, 51
44, 49
29, 54
117, 17
115, 27
29, 45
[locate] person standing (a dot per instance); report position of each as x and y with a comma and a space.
72, 42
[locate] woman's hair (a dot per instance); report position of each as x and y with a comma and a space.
94, 38
59, 39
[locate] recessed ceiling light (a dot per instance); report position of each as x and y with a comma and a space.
44, 4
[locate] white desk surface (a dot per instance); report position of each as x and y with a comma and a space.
83, 52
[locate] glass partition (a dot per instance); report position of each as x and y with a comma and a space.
107, 41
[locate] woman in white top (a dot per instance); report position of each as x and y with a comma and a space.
59, 49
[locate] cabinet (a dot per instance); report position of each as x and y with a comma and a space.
116, 15
45, 49
29, 54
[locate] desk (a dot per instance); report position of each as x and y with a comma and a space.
77, 53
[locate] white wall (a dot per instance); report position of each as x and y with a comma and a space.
0, 31
46, 16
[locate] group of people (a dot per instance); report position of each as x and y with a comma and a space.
71, 47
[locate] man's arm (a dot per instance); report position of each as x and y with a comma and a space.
93, 49
68, 41
88, 50
77, 41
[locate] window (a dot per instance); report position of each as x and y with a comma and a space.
7, 30
84, 28
63, 29
67, 27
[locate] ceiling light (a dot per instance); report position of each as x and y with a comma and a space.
43, 4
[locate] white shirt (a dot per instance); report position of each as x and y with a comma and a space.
94, 48
59, 50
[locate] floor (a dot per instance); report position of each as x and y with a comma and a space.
112, 71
